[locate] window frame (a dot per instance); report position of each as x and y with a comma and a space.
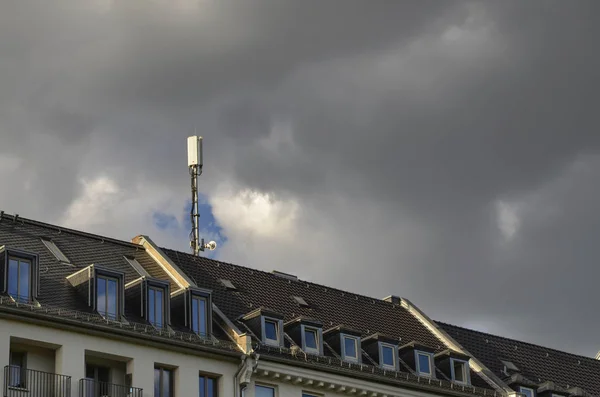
20, 261
206, 301
34, 276
384, 345
521, 388
356, 340
266, 386
318, 338
278, 329
22, 370
466, 371
206, 377
162, 369
418, 365
118, 282
164, 292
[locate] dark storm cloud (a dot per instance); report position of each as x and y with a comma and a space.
401, 124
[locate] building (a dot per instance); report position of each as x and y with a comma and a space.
90, 316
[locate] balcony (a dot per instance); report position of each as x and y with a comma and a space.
26, 382
92, 388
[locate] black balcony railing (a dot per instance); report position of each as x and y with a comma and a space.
92, 388
18, 381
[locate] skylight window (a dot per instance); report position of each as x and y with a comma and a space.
509, 365
424, 363
137, 266
300, 301
227, 284
55, 251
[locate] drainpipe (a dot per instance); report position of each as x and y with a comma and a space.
243, 375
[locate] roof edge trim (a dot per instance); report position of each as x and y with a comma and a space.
451, 343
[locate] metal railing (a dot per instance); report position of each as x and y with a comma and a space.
27, 382
92, 388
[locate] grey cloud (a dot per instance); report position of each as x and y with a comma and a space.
401, 123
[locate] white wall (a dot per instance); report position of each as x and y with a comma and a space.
69, 359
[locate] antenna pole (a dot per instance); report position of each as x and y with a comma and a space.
195, 167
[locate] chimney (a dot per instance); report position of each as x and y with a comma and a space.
396, 300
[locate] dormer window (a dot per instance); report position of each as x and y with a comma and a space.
20, 273
156, 306
388, 356
423, 363
199, 315
350, 348
271, 331
460, 371
527, 391
312, 339
107, 296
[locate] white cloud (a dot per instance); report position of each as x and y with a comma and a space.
507, 218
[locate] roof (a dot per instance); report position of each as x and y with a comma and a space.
537, 364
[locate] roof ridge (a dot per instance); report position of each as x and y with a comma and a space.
63, 229
362, 296
591, 359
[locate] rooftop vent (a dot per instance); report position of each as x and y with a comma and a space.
227, 284
300, 301
137, 266
55, 251
285, 275
509, 366
396, 300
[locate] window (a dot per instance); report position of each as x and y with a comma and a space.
423, 361
163, 382
387, 354
18, 370
207, 387
460, 370
307, 394
311, 340
199, 315
107, 293
56, 251
19, 279
156, 312
350, 348
529, 392
271, 328
300, 301
264, 391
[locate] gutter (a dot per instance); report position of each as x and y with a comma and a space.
243, 375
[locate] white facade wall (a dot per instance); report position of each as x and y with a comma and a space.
64, 352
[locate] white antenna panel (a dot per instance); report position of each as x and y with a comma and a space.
194, 151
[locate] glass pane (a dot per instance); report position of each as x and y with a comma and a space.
424, 364
459, 371
350, 347
13, 278
270, 330
101, 296
310, 339
166, 383
527, 392
387, 355
195, 315
210, 387
202, 386
112, 299
263, 391
151, 306
159, 308
156, 382
202, 316
24, 281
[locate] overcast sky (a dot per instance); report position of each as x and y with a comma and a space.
444, 151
